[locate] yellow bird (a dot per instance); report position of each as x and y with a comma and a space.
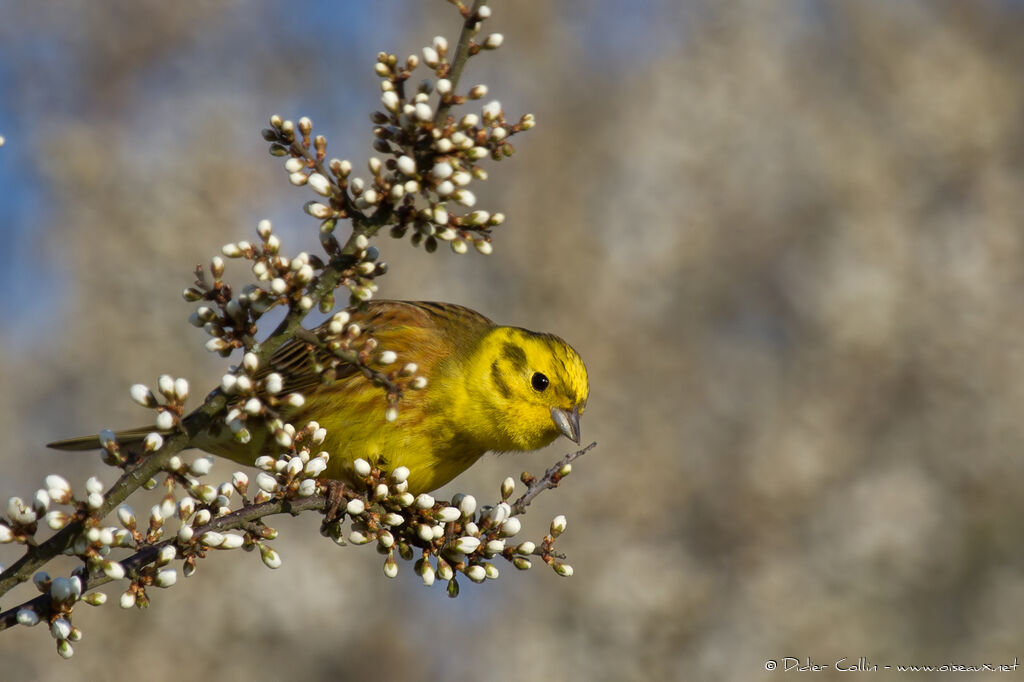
489, 388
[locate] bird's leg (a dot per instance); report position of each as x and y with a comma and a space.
335, 498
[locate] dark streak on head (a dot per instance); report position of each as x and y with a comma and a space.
515, 355
499, 382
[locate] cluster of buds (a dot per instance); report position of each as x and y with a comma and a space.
346, 344
63, 592
22, 520
231, 320
293, 473
260, 394
430, 157
444, 538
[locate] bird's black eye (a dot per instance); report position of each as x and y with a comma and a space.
539, 381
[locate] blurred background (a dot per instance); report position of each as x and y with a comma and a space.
786, 237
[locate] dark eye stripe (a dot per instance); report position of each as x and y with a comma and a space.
499, 382
515, 355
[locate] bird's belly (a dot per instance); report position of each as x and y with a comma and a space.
431, 463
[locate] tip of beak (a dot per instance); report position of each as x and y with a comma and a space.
568, 422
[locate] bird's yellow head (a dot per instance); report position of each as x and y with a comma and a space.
530, 387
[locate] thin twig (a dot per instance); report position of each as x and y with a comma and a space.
551, 478
461, 56
238, 519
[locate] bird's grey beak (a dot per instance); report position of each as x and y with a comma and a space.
568, 422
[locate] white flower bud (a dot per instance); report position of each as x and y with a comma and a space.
558, 525
60, 628
500, 512
492, 110
467, 544
232, 541
493, 41
424, 501
465, 197
58, 488
153, 442
390, 101
361, 466
217, 344
445, 188
27, 617
141, 394
511, 527
430, 57
266, 482
476, 573
315, 467
439, 215
307, 488
317, 210
212, 538
467, 505
441, 170
423, 111
355, 507
165, 577
113, 570
62, 590
166, 384
253, 406
54, 519
448, 514
126, 516
166, 555
164, 420
127, 600
202, 466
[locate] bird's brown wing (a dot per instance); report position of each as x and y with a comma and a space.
418, 331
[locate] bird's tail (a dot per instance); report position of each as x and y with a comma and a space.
126, 437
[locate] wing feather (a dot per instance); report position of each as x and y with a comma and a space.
423, 332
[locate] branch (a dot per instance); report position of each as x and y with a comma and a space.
240, 519
551, 478
470, 27
394, 518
